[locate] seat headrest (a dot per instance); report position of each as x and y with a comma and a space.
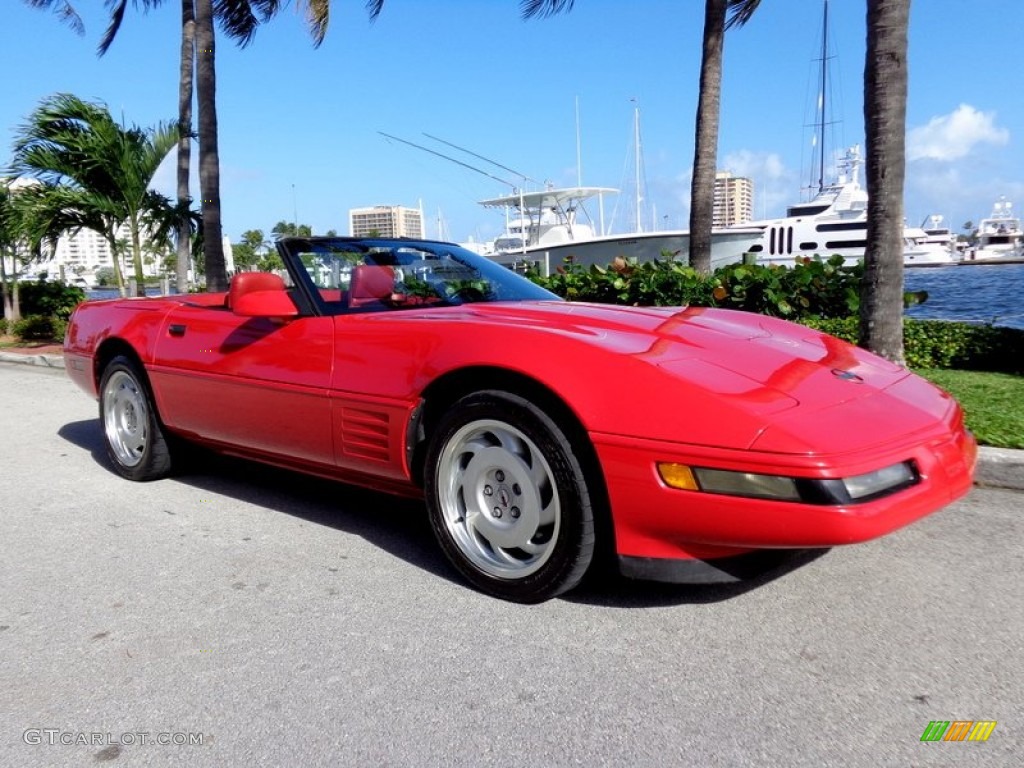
247, 282
370, 283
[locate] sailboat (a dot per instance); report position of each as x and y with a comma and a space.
835, 220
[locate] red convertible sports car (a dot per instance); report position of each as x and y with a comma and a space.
686, 441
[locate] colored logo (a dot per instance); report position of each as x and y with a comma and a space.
958, 730
845, 375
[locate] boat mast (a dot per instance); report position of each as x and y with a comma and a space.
579, 161
823, 94
636, 147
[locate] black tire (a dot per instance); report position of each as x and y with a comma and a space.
508, 501
132, 431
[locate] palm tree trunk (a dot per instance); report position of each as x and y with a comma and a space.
885, 114
115, 259
188, 54
140, 277
209, 156
705, 151
9, 285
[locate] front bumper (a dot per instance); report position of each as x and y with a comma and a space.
653, 521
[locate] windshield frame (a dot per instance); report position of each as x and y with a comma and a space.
429, 274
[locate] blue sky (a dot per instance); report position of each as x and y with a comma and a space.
299, 126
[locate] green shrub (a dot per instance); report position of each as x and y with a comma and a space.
3, 326
39, 328
944, 344
811, 288
49, 298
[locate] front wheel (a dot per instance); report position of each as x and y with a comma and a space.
508, 501
135, 441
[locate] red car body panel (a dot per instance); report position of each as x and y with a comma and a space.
337, 396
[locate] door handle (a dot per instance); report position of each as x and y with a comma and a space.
176, 329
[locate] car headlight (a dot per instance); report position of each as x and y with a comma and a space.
849, 490
747, 484
879, 481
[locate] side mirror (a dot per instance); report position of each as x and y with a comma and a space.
270, 304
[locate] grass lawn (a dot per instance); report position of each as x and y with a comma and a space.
993, 402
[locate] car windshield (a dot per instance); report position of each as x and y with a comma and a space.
376, 274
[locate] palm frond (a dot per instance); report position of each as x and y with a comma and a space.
64, 10
116, 17
318, 16
236, 19
95, 172
740, 12
532, 8
374, 8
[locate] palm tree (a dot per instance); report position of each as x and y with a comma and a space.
705, 151
239, 20
885, 114
96, 173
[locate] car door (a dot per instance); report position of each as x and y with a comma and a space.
374, 393
257, 383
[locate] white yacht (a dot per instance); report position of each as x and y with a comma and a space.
836, 222
999, 236
937, 233
921, 249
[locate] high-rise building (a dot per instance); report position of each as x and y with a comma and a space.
734, 200
385, 221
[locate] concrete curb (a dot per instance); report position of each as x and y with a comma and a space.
997, 467
1000, 468
49, 361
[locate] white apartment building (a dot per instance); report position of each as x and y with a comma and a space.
734, 200
82, 252
386, 221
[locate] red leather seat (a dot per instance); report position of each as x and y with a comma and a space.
247, 282
370, 284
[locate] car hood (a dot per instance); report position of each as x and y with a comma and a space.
736, 379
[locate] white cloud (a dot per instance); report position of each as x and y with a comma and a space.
952, 136
755, 165
775, 185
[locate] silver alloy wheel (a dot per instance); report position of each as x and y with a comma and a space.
499, 499
125, 418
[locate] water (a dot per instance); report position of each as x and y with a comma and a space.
111, 293
991, 293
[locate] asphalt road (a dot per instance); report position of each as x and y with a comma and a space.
287, 621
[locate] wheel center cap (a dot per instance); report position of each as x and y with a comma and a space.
504, 496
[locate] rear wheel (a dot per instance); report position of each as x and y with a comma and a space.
508, 500
135, 441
